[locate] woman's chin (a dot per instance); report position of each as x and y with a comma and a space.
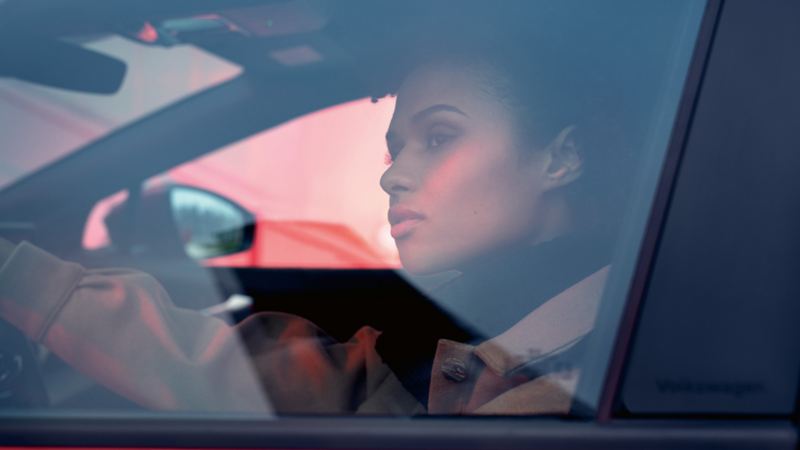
419, 270
420, 264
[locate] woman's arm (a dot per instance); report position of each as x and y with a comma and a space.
119, 327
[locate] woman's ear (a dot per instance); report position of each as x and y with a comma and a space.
563, 161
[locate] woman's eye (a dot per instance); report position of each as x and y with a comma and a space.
438, 139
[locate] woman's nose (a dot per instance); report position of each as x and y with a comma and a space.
395, 180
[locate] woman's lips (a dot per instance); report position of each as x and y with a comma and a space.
403, 220
404, 228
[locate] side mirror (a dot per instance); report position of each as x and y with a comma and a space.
208, 224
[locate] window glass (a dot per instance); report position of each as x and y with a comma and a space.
443, 224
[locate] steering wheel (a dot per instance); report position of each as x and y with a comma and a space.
21, 383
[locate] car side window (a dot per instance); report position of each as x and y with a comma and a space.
438, 215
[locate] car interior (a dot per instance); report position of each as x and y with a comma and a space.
352, 58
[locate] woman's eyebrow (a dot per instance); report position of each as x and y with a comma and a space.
391, 137
434, 109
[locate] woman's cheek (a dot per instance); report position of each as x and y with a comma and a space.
444, 176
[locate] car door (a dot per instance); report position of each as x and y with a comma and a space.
694, 344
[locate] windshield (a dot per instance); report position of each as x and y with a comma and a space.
73, 119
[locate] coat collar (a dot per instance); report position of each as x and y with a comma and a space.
553, 327
492, 295
472, 307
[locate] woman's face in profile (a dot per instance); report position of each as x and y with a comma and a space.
460, 184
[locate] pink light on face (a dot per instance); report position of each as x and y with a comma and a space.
147, 33
442, 184
447, 172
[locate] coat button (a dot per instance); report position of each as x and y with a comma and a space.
454, 369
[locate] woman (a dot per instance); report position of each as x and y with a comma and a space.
481, 184
477, 185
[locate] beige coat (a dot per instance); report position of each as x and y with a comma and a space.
120, 328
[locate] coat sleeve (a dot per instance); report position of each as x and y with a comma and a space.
120, 328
